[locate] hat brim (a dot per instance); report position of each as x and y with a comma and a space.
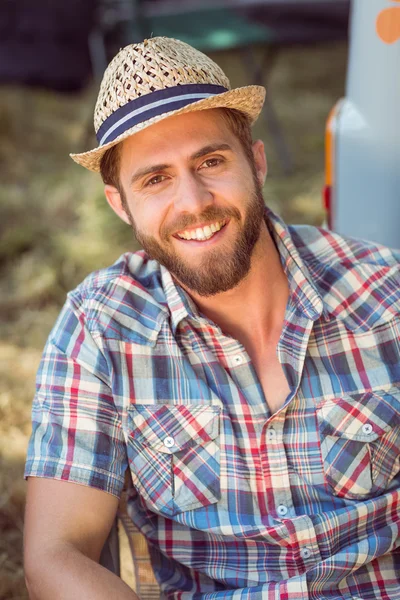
248, 99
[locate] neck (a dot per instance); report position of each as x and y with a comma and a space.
254, 310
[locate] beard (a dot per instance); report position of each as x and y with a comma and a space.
221, 269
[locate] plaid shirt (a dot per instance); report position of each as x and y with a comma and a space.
236, 502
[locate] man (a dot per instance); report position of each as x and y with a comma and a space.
244, 372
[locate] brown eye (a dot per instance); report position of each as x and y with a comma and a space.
156, 179
211, 162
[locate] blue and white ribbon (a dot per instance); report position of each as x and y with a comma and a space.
151, 105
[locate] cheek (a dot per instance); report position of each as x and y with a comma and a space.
236, 185
150, 220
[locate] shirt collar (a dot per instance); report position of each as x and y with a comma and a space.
304, 294
179, 302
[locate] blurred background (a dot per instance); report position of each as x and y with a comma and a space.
55, 226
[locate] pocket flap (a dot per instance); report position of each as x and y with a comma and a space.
362, 417
169, 428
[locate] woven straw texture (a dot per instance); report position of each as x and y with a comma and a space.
156, 64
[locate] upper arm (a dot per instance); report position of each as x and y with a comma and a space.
77, 455
77, 432
60, 512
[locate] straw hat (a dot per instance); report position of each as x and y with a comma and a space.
155, 79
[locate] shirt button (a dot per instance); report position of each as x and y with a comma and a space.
238, 359
169, 442
271, 434
367, 428
305, 553
282, 510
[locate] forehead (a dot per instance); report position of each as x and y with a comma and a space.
176, 137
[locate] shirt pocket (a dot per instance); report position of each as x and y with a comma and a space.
360, 442
173, 453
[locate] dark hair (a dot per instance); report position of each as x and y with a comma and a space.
237, 121
109, 166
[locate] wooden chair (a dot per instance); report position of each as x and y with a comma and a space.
144, 582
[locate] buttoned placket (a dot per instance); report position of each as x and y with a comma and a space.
241, 370
279, 498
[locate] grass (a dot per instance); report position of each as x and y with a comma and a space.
55, 227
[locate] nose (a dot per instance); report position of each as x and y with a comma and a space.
192, 195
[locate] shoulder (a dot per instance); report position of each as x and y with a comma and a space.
133, 268
319, 247
125, 300
358, 280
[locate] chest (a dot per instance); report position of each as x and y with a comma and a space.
272, 379
193, 368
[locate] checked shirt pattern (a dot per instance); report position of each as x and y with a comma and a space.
236, 502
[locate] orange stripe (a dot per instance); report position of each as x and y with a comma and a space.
329, 147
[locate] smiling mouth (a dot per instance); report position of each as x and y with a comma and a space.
201, 234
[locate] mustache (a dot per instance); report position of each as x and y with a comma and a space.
211, 213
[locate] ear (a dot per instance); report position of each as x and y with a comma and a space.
114, 200
260, 161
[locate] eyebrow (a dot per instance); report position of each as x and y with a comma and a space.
199, 154
147, 171
209, 150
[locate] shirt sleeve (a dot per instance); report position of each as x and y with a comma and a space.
76, 430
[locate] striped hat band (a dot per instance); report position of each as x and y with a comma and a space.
151, 105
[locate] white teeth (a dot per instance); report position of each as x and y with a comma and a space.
201, 234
